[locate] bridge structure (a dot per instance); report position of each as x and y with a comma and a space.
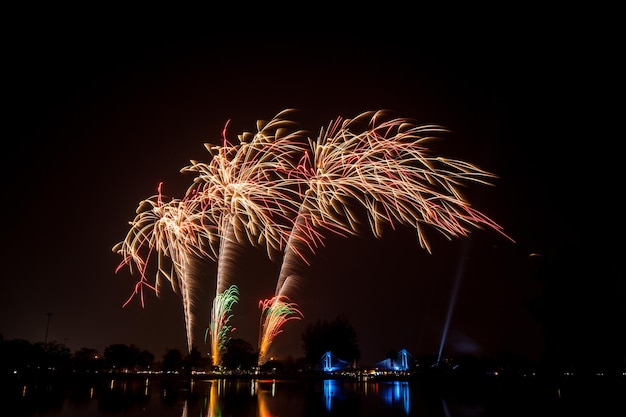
402, 362
329, 362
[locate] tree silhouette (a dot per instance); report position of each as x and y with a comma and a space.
337, 336
172, 360
120, 357
20, 355
145, 360
239, 355
194, 360
87, 360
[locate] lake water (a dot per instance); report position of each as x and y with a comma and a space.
206, 397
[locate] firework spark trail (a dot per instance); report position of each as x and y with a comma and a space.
276, 311
246, 190
274, 191
249, 183
220, 317
322, 183
226, 295
392, 175
338, 168
173, 230
385, 167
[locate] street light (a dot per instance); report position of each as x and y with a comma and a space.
45, 340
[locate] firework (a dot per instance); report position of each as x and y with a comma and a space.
285, 193
220, 316
246, 190
276, 311
174, 232
248, 185
381, 170
386, 169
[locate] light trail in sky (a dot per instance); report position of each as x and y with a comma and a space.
246, 190
380, 169
279, 190
174, 232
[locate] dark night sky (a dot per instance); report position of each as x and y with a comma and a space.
100, 113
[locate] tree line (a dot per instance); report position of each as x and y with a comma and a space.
22, 358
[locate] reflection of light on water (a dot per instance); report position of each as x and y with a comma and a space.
446, 412
396, 392
262, 395
214, 409
278, 398
270, 398
191, 390
263, 407
185, 409
406, 399
212, 401
205, 405
330, 389
117, 385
